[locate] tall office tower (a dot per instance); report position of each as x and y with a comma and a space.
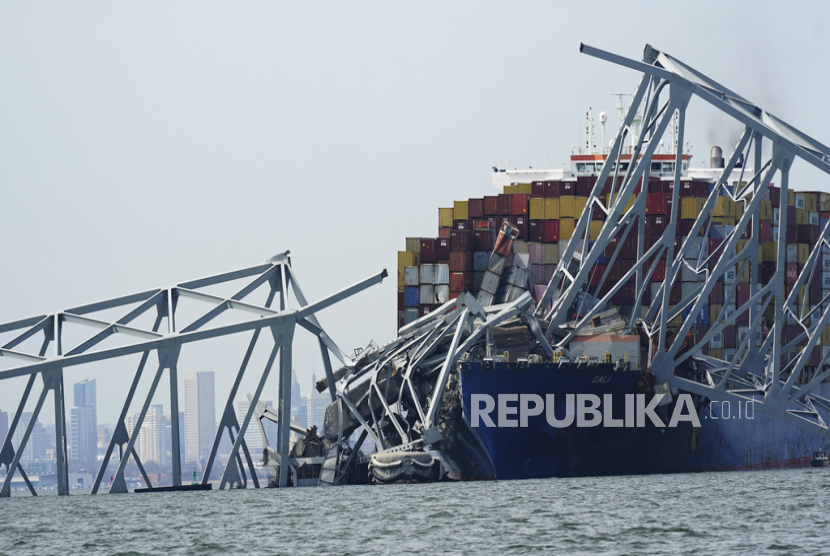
83, 436
4, 427
317, 403
38, 442
154, 436
299, 409
199, 416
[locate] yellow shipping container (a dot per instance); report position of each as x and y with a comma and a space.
744, 277
739, 246
688, 208
552, 209
509, 189
445, 217
630, 203
723, 207
802, 216
737, 210
699, 204
791, 197
537, 209
524, 188
825, 336
408, 258
566, 228
580, 203
716, 353
567, 207
810, 202
803, 252
596, 228
460, 210
765, 210
769, 252
413, 244
401, 284
714, 313
723, 220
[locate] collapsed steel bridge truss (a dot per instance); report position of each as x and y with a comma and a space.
277, 276
427, 349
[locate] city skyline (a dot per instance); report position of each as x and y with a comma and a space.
199, 415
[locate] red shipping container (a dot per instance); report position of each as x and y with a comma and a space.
624, 295
483, 240
597, 213
815, 294
656, 203
551, 231
552, 188
444, 232
442, 249
461, 261
792, 273
815, 356
401, 301
460, 281
584, 185
596, 274
741, 294
491, 206
687, 189
764, 230
774, 195
475, 208
520, 203
505, 204
427, 250
659, 273
538, 188
767, 271
520, 222
701, 189
656, 185
716, 295
461, 240
676, 293
536, 231
567, 188
729, 337
462, 224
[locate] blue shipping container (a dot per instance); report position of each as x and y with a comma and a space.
410, 297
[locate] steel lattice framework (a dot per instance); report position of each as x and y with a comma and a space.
276, 275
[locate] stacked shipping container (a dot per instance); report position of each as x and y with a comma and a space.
434, 270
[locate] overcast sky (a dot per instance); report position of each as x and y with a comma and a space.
145, 144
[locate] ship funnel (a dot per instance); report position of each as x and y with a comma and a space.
716, 157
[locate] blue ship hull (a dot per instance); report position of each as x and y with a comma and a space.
729, 438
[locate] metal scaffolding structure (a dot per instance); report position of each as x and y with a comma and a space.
276, 275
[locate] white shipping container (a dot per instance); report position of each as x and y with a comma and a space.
655, 288
776, 216
729, 354
800, 202
717, 341
729, 276
563, 245
427, 275
758, 338
792, 253
825, 263
775, 233
729, 310
688, 288
442, 293
687, 274
743, 332
410, 314
825, 280
442, 274
814, 218
537, 253
411, 276
426, 294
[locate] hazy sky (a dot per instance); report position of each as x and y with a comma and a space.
142, 145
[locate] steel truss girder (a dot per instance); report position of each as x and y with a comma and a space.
779, 393
277, 273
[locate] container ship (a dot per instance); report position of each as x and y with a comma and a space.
543, 206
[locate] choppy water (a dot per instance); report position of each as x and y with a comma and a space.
757, 512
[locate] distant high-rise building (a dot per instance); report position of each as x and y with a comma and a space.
154, 437
4, 427
253, 436
83, 435
199, 416
317, 403
38, 442
299, 407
